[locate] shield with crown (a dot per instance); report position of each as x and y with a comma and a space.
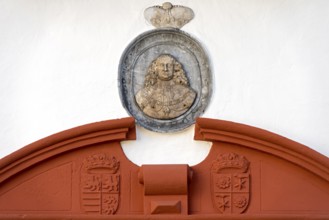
100, 184
230, 183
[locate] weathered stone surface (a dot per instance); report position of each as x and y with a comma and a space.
166, 93
168, 15
136, 95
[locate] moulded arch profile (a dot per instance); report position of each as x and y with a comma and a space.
60, 143
264, 141
82, 173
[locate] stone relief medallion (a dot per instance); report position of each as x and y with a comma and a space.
230, 183
164, 74
100, 184
166, 93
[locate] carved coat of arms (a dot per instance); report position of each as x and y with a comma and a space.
230, 183
100, 184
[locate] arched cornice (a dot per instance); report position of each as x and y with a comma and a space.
262, 140
58, 176
78, 137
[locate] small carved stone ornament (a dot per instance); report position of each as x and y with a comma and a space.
168, 15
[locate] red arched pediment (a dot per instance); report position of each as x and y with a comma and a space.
262, 141
82, 173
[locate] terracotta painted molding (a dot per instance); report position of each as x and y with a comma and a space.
225, 131
167, 217
111, 130
82, 173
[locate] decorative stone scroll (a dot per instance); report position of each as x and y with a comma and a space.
164, 74
165, 188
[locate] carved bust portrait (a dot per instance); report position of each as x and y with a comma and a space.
166, 93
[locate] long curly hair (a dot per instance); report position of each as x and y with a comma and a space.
179, 76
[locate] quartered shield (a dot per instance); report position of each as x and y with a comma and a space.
230, 181
100, 185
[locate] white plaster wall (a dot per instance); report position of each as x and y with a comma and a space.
59, 62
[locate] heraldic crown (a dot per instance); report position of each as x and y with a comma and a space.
230, 161
101, 162
168, 15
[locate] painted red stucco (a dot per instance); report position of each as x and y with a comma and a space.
82, 173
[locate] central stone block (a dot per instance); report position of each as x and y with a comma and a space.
165, 188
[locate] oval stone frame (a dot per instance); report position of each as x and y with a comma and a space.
137, 58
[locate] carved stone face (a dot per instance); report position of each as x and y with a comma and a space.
166, 93
164, 76
165, 68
